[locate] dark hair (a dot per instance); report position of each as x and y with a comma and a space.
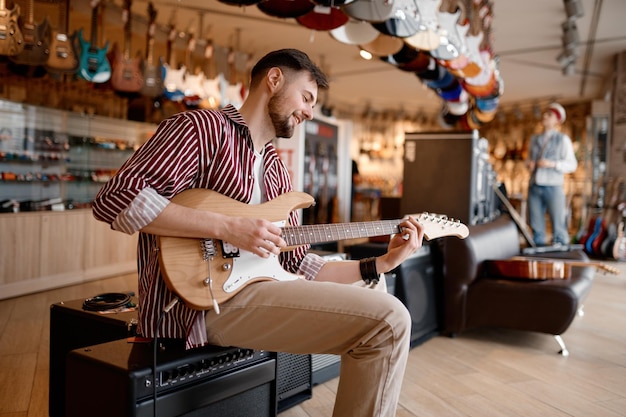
292, 59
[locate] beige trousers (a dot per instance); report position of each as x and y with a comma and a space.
370, 329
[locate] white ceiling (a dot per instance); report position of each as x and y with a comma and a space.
526, 34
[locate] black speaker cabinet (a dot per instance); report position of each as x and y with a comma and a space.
293, 380
440, 175
419, 288
116, 379
416, 283
71, 327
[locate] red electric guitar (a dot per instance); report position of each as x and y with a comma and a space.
126, 76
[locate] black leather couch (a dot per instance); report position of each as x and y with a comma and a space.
474, 298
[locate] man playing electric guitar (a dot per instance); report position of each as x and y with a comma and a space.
331, 309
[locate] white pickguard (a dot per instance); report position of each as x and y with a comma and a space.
246, 268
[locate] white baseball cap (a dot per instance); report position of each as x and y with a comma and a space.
558, 110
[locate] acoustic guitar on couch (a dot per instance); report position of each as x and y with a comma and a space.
206, 272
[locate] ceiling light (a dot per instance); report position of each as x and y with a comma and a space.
573, 9
365, 55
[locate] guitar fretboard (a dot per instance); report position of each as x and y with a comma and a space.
322, 233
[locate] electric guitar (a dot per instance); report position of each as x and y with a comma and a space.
63, 58
11, 38
36, 40
94, 64
152, 73
205, 272
619, 246
126, 76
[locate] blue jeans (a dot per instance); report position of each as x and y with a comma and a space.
542, 198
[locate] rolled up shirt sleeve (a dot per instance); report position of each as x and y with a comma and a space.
311, 265
146, 206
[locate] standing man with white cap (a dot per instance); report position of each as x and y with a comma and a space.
550, 157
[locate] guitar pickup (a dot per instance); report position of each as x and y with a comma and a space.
229, 251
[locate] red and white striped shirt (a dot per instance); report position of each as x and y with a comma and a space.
196, 149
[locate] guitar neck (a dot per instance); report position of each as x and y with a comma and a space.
94, 26
323, 233
63, 12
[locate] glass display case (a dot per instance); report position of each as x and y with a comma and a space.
55, 160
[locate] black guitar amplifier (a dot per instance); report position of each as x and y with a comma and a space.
116, 379
417, 283
71, 327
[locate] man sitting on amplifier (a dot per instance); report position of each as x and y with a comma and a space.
209, 247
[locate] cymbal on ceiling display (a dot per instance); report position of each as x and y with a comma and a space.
332, 3
420, 63
427, 36
460, 106
408, 59
240, 2
404, 21
285, 8
369, 10
383, 45
452, 92
433, 71
324, 18
354, 32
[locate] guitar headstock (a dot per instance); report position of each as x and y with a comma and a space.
437, 225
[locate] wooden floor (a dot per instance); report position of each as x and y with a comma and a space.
480, 373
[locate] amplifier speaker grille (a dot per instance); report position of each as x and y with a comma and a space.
293, 379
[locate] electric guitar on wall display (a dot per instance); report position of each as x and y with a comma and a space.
94, 64
126, 76
11, 38
152, 73
206, 272
36, 40
63, 58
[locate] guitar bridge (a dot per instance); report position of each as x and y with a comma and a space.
208, 249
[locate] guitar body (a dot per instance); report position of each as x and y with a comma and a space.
63, 58
36, 44
619, 247
181, 259
532, 268
606, 248
126, 76
174, 81
529, 269
94, 64
596, 232
11, 38
152, 80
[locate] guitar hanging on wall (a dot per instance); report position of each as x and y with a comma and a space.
94, 64
126, 76
63, 58
153, 74
206, 272
36, 43
11, 38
